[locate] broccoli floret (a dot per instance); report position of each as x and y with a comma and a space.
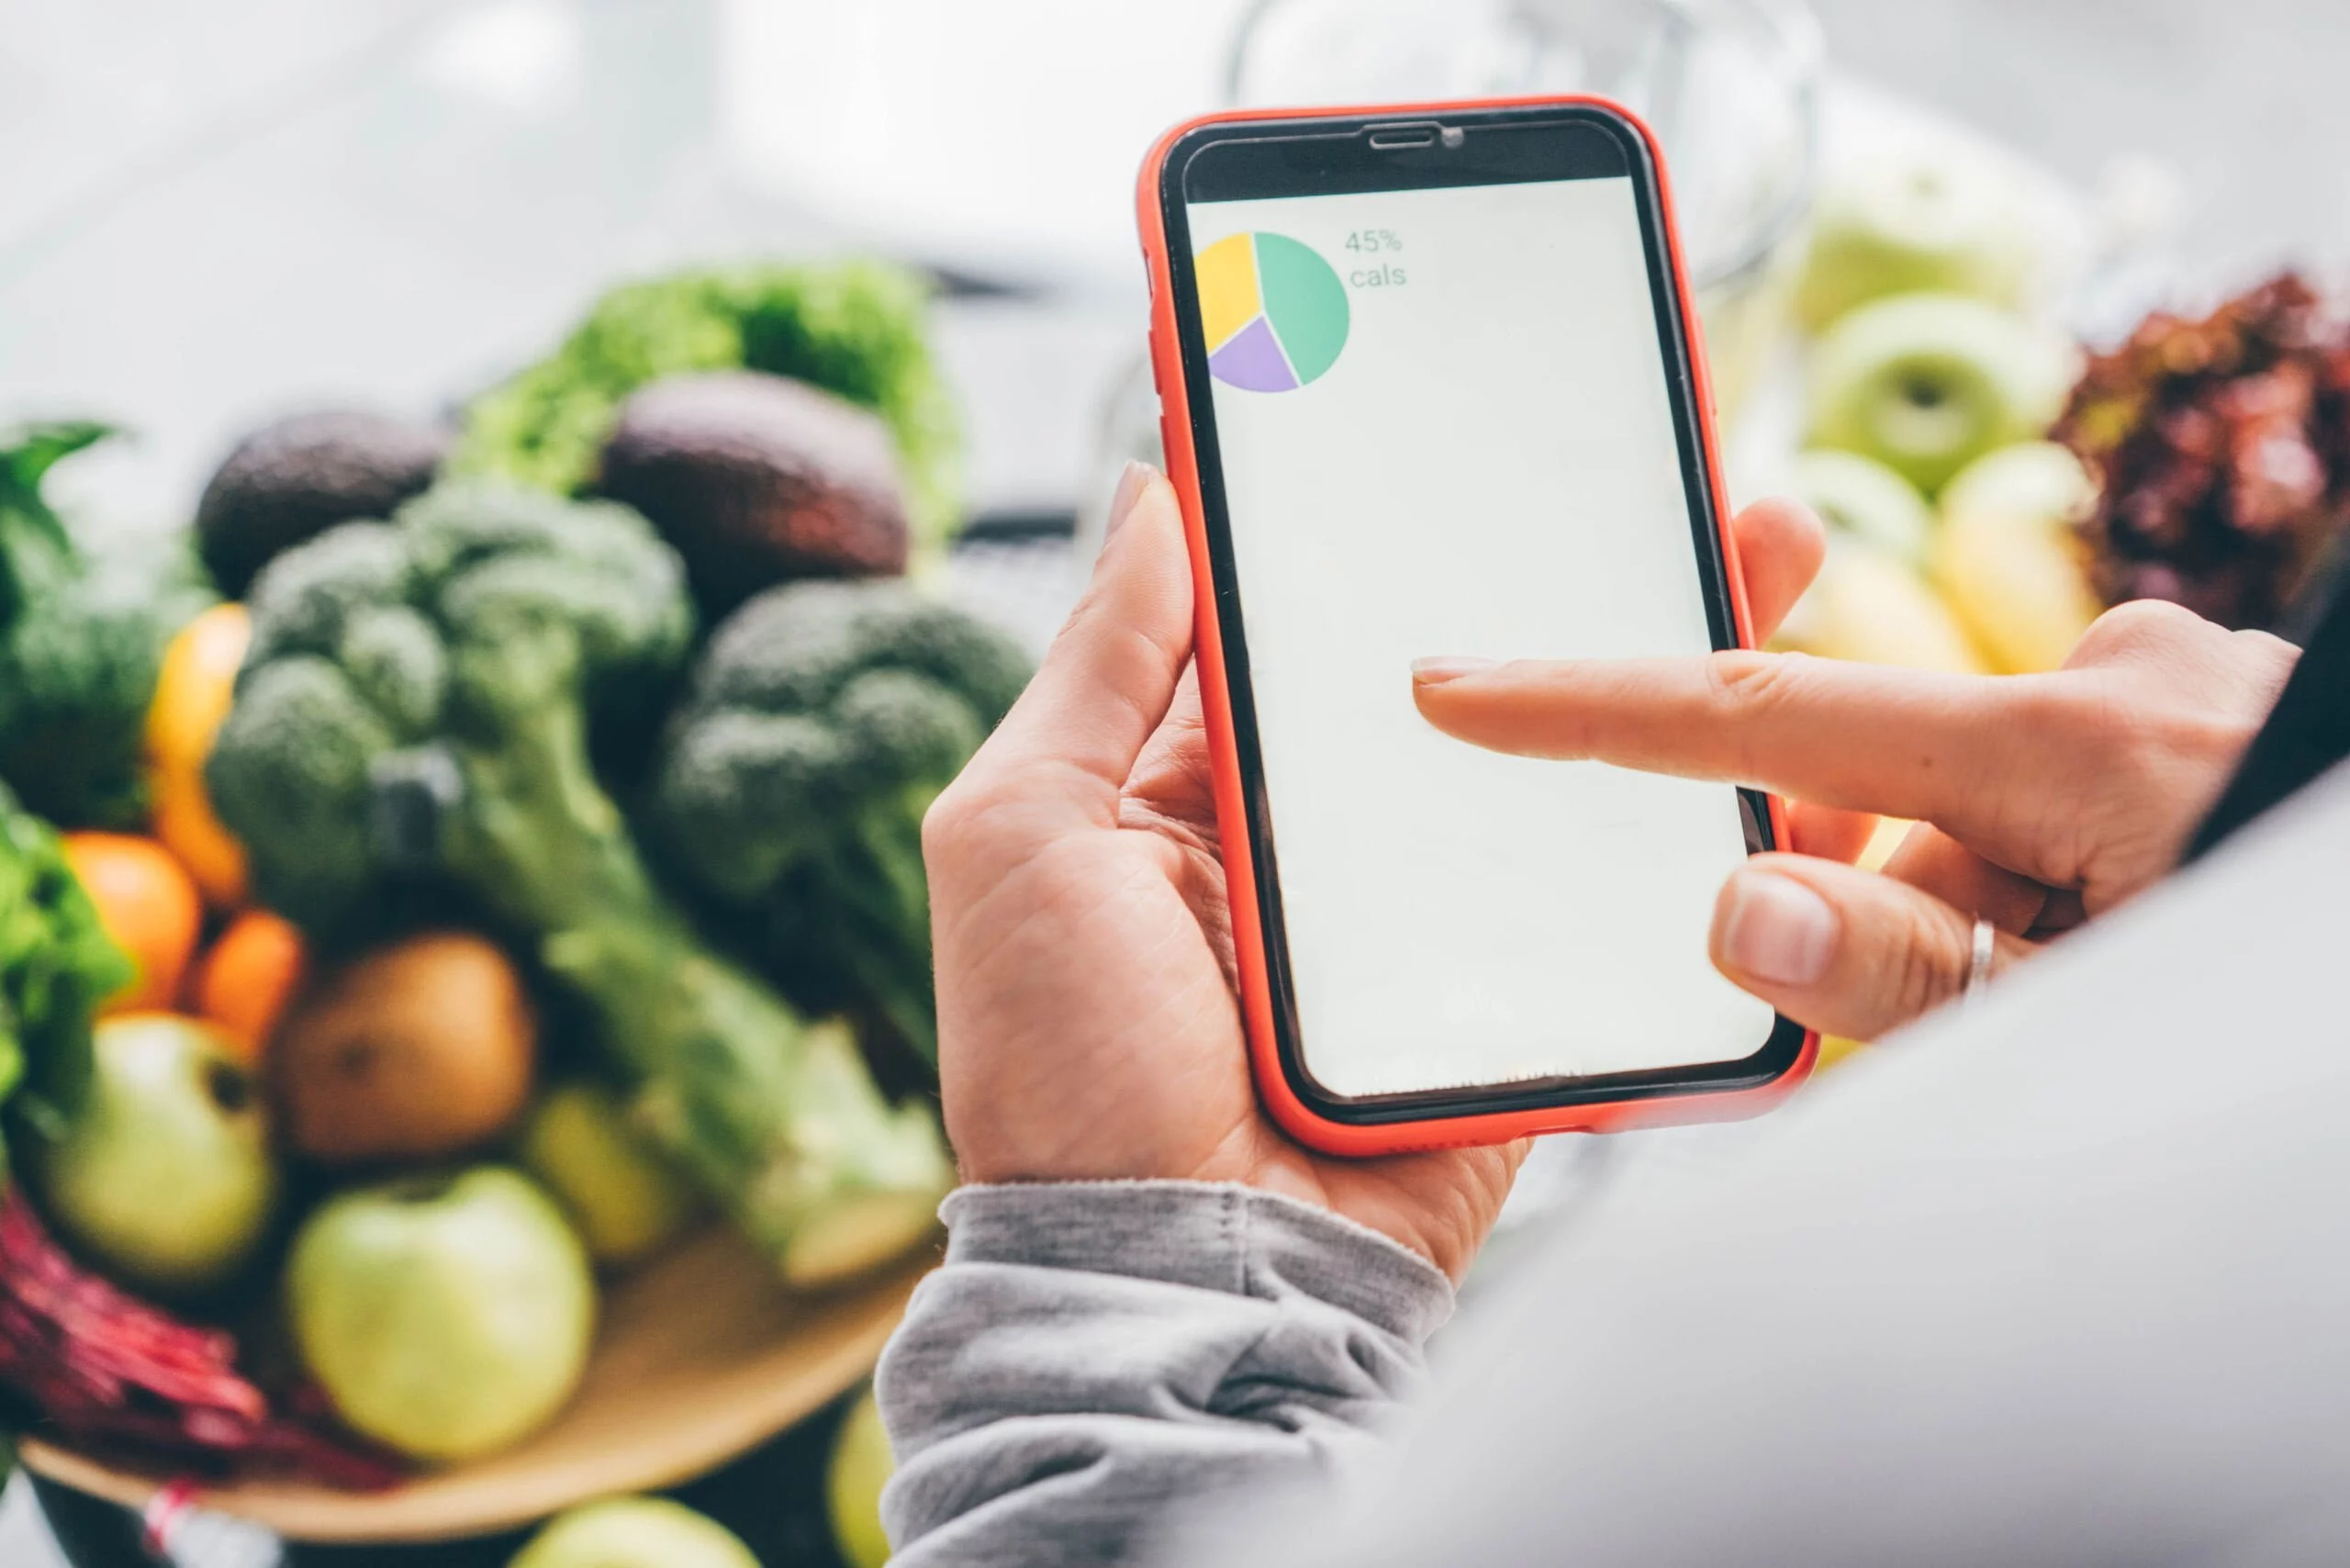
419, 701
855, 330
395, 660
310, 595
821, 722
81, 644
292, 767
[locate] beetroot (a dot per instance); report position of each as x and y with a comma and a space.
99, 1366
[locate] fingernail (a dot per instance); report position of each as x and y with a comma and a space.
1448, 666
1778, 930
1130, 487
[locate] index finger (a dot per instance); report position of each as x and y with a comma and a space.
1900, 743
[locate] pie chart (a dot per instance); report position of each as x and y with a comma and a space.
1273, 311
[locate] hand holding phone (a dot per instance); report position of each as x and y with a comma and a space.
1088, 1024
1429, 383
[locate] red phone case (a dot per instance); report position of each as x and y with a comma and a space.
1296, 1117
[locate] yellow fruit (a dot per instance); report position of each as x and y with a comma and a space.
182, 819
1868, 605
1835, 1050
193, 693
1890, 832
861, 1465
2019, 587
627, 1199
2006, 559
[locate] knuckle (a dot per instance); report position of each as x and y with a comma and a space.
1929, 960
1739, 677
1743, 688
2139, 626
946, 826
2264, 653
2260, 664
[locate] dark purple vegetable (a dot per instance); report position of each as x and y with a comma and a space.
301, 475
758, 480
2223, 447
98, 1365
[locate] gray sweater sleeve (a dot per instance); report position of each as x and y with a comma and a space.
1095, 1356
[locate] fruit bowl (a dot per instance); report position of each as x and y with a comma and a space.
701, 1356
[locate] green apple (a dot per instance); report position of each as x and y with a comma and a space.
163, 1174
635, 1532
1927, 383
446, 1316
861, 1465
1918, 218
1860, 497
628, 1200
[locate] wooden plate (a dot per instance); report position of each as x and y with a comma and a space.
700, 1356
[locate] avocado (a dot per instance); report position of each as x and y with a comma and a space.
301, 475
759, 479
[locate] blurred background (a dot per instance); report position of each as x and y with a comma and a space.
214, 217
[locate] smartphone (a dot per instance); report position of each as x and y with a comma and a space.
1430, 383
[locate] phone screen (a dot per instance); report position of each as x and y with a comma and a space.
1444, 425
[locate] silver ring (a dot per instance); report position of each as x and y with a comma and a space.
1978, 963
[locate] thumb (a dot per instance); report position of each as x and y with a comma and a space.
1110, 676
1845, 951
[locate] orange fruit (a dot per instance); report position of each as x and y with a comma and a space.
150, 906
193, 693
244, 982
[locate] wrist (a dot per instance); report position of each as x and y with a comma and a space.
1216, 1236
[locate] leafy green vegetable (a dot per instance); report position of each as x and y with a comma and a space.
420, 694
821, 722
56, 965
854, 328
81, 642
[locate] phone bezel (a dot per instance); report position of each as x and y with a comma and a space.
1341, 142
